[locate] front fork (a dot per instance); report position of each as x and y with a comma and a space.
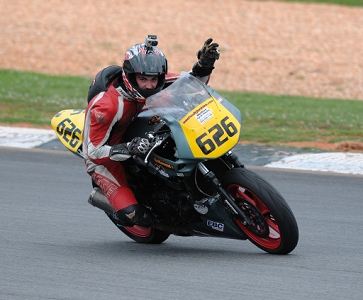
227, 198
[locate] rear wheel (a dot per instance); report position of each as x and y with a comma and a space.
142, 234
274, 228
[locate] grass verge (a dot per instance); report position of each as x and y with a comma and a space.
35, 98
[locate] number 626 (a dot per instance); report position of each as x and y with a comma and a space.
220, 133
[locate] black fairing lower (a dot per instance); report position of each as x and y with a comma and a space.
171, 199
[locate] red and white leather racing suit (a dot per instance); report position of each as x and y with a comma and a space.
108, 115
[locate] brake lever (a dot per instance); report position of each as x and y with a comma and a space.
157, 144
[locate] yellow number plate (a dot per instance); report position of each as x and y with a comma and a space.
210, 129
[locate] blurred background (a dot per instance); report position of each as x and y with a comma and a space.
266, 46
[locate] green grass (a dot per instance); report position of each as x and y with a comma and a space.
274, 119
36, 98
342, 2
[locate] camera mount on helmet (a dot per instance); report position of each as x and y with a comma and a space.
151, 41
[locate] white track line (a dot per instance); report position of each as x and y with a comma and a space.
25, 137
348, 163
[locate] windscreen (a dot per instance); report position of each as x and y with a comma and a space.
179, 98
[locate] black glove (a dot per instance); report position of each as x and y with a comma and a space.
206, 58
138, 146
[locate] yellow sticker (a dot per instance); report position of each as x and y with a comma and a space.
210, 129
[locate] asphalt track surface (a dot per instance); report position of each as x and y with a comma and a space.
54, 245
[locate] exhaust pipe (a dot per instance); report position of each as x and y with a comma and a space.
99, 200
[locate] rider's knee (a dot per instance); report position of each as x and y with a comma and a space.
135, 214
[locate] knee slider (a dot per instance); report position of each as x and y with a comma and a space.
135, 214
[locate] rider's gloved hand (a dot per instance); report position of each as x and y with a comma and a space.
208, 54
206, 58
138, 146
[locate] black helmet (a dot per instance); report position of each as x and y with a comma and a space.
144, 59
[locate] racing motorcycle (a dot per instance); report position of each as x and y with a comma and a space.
191, 180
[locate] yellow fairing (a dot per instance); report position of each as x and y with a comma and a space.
210, 129
68, 125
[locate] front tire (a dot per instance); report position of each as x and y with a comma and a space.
274, 228
142, 234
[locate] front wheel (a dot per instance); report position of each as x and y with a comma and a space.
142, 234
274, 228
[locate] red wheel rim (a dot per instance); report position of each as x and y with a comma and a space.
273, 240
139, 230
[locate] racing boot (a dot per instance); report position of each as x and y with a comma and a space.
128, 216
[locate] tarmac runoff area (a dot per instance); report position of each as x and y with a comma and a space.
270, 157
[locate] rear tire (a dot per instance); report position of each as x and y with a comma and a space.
142, 234
274, 228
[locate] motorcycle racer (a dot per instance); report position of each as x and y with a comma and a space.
116, 96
